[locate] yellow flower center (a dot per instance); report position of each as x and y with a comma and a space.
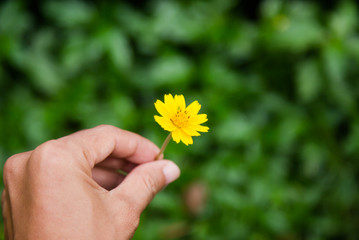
180, 119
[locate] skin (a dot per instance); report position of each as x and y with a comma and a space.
69, 188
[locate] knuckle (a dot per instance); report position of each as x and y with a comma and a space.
48, 153
111, 130
12, 168
106, 127
47, 147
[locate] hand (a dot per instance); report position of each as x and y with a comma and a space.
69, 188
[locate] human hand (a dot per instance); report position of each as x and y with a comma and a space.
69, 188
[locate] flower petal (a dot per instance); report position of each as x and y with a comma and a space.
182, 122
190, 131
161, 108
168, 98
198, 119
193, 108
180, 102
176, 136
165, 123
185, 138
170, 104
199, 128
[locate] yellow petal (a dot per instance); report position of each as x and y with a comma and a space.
198, 119
180, 102
176, 136
193, 108
186, 139
199, 128
190, 140
161, 108
190, 131
170, 104
165, 123
168, 98
182, 122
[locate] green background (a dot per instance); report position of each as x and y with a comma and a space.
278, 80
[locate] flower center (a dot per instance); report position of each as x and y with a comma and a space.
181, 118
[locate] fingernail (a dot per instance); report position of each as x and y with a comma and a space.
171, 172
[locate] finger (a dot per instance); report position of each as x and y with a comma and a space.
96, 144
6, 214
145, 181
107, 178
13, 168
12, 175
117, 164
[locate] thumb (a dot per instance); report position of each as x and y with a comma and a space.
145, 181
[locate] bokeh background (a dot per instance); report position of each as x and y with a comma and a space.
278, 80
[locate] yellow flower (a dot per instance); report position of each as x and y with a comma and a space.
183, 122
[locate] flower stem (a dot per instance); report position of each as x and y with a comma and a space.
164, 145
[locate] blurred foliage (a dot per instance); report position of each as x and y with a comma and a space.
278, 80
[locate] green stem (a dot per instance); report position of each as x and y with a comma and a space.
164, 145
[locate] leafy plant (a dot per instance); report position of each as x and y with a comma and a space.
278, 80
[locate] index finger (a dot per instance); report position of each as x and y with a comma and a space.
97, 143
